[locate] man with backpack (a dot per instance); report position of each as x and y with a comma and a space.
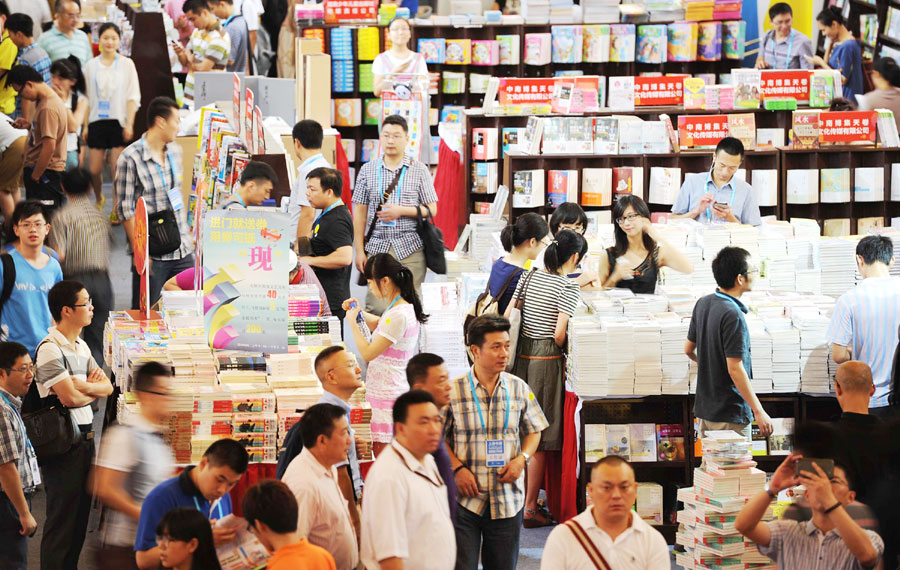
27, 274
67, 374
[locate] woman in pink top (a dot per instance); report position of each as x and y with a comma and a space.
394, 340
174, 9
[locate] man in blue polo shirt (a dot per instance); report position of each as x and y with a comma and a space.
717, 196
204, 487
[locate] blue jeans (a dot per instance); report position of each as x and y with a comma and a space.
496, 539
162, 271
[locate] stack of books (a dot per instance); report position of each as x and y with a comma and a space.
675, 363
313, 331
814, 349
785, 355
587, 367
360, 421
443, 333
647, 358
761, 355
304, 301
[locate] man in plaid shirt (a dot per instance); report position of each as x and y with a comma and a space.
492, 427
395, 220
19, 474
151, 167
21, 32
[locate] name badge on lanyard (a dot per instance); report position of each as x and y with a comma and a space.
104, 105
495, 449
103, 109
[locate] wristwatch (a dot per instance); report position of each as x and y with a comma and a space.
527, 458
769, 492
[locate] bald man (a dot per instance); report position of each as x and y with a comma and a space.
854, 387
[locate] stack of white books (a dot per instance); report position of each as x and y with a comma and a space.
443, 333
712, 238
535, 11
814, 350
772, 245
675, 363
780, 273
785, 355
837, 257
647, 357
620, 355
600, 11
760, 356
746, 237
587, 368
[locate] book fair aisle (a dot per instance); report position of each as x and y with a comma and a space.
687, 212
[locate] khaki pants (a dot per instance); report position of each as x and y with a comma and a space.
11, 163
416, 264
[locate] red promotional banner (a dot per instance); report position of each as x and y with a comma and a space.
787, 83
236, 103
141, 247
701, 130
345, 10
525, 91
658, 91
847, 126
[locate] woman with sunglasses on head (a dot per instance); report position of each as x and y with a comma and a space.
634, 262
550, 300
185, 541
394, 339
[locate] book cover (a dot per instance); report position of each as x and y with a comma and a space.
510, 49
733, 34
652, 43
821, 88
370, 150
803, 186
562, 94
484, 143
567, 44
805, 129
596, 187
484, 177
371, 111
594, 442
834, 185
746, 88
781, 440
759, 444
624, 180
631, 135
452, 114
485, 52
622, 40
618, 441
587, 93
606, 135
596, 43
458, 52
655, 138
534, 130
366, 43
867, 225
742, 126
834, 227
434, 50
670, 442
347, 112
709, 41
621, 93
579, 135
512, 139
665, 183
563, 187
528, 189
537, 49
643, 442
682, 45
553, 139
765, 186
868, 184
694, 93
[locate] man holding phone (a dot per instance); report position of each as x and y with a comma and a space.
718, 196
832, 539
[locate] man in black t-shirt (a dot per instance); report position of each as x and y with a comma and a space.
331, 240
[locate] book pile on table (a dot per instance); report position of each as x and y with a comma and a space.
785, 355
210, 419
761, 355
721, 488
243, 368
253, 406
676, 366
620, 355
647, 357
192, 363
837, 257
443, 332
313, 331
304, 301
586, 367
360, 421
814, 350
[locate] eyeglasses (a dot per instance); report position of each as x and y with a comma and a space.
29, 225
351, 364
89, 303
546, 241
630, 218
574, 227
24, 370
165, 540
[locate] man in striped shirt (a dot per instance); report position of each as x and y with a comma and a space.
831, 539
65, 38
865, 321
80, 234
209, 47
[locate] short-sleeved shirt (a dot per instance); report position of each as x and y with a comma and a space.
298, 197
83, 233
60, 46
719, 330
417, 188
14, 439
500, 273
861, 323
139, 451
546, 296
736, 192
787, 53
178, 491
26, 315
301, 555
236, 26
51, 121
207, 44
35, 57
847, 56
385, 63
251, 10
57, 360
116, 84
467, 438
352, 459
38, 11
331, 231
8, 52
802, 545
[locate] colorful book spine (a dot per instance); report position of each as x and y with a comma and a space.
622, 42
367, 43
733, 34
683, 37
596, 43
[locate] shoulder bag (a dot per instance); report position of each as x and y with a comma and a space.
48, 423
487, 304
384, 198
593, 553
515, 320
432, 241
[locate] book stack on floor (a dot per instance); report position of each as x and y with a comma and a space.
723, 485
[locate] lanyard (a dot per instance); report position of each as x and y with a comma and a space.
399, 182
394, 302
21, 423
733, 190
732, 299
787, 57
230, 18
162, 174
478, 403
115, 72
330, 208
218, 507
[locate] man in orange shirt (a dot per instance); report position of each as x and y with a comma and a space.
271, 512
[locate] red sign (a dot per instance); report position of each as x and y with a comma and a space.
345, 10
141, 247
236, 104
248, 121
658, 91
788, 83
847, 126
522, 91
701, 130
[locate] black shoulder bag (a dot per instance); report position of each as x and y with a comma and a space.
384, 198
432, 241
48, 423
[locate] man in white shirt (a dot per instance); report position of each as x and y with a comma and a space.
308, 137
609, 530
251, 10
324, 517
405, 518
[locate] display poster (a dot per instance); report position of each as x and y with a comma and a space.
658, 91
701, 130
141, 248
793, 83
245, 290
847, 126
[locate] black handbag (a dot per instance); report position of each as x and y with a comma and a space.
48, 423
432, 241
163, 235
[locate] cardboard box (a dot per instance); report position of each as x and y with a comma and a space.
313, 88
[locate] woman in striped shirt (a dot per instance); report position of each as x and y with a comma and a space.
550, 299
